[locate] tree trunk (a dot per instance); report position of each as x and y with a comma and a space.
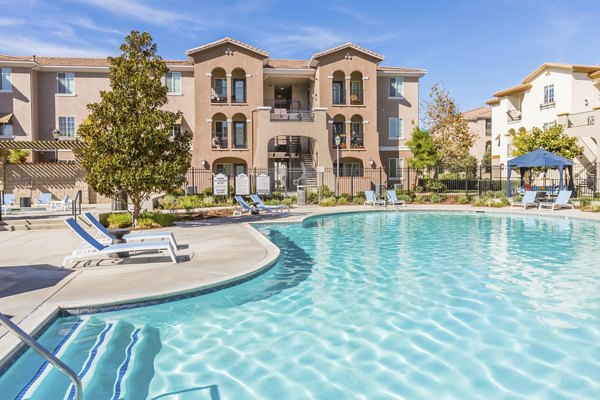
137, 208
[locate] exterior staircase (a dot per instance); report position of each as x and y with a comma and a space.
308, 168
588, 159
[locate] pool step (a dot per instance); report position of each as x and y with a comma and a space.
31, 224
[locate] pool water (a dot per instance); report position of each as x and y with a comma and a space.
360, 306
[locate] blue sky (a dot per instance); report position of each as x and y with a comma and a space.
474, 47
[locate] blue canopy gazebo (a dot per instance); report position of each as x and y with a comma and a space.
540, 158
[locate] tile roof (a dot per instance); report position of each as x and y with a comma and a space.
6, 57
227, 40
513, 89
348, 45
287, 63
400, 69
74, 61
568, 67
478, 113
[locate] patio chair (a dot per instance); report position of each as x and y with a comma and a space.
91, 249
7, 203
105, 236
63, 204
528, 200
393, 199
262, 206
373, 199
44, 200
561, 201
245, 207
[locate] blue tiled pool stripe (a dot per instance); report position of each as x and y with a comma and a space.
40, 371
123, 368
90, 360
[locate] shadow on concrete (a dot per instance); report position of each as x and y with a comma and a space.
232, 220
21, 279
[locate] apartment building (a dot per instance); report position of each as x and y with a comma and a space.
480, 121
245, 110
566, 94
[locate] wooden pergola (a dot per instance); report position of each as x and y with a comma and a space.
74, 145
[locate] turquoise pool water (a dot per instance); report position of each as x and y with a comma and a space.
360, 306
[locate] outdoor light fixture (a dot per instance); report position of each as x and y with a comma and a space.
203, 163
56, 136
372, 163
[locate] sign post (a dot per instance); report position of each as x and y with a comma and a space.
263, 185
220, 185
242, 185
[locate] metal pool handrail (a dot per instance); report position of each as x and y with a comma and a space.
31, 342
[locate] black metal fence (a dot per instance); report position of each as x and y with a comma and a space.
469, 181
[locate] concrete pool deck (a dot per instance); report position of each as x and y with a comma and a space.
34, 288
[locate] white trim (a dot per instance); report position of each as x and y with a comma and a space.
389, 84
63, 136
209, 74
209, 120
302, 72
401, 74
348, 77
228, 75
73, 93
394, 148
365, 78
248, 75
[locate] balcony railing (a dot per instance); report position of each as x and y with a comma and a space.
357, 142
514, 115
219, 141
356, 97
582, 119
288, 110
218, 98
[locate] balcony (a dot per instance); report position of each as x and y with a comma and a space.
514, 115
218, 98
356, 97
288, 110
580, 124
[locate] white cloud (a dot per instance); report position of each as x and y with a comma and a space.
11, 21
25, 45
307, 38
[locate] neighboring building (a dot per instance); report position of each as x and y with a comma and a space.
244, 109
567, 94
480, 121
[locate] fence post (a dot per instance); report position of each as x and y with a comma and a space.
408, 180
352, 187
380, 180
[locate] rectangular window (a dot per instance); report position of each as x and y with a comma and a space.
239, 91
239, 169
173, 80
176, 130
548, 125
356, 92
65, 82
396, 129
396, 168
225, 169
396, 87
219, 140
337, 95
338, 130
356, 136
220, 91
66, 126
239, 135
488, 127
6, 80
6, 130
548, 94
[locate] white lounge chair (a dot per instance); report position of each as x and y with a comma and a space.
45, 200
373, 199
528, 200
105, 236
8, 201
63, 204
393, 199
561, 201
262, 206
91, 249
245, 207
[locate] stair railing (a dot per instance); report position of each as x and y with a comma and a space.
76, 204
46, 355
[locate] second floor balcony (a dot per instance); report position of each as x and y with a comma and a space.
514, 115
581, 124
289, 110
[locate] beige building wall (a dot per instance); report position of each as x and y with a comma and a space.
479, 121
18, 102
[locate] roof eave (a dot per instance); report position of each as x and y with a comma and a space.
414, 74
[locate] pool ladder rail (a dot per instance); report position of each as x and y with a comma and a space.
48, 356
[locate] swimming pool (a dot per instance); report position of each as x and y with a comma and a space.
363, 305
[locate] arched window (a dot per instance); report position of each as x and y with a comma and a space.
357, 139
220, 132
238, 82
239, 132
337, 94
338, 128
356, 88
218, 86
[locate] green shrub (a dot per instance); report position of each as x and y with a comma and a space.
358, 200
207, 192
342, 201
585, 202
208, 201
155, 220
168, 202
434, 185
405, 197
188, 202
119, 220
328, 201
436, 198
463, 199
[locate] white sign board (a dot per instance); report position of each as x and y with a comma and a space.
320, 168
220, 185
263, 184
242, 185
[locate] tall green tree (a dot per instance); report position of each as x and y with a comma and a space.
552, 139
448, 128
128, 137
423, 148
